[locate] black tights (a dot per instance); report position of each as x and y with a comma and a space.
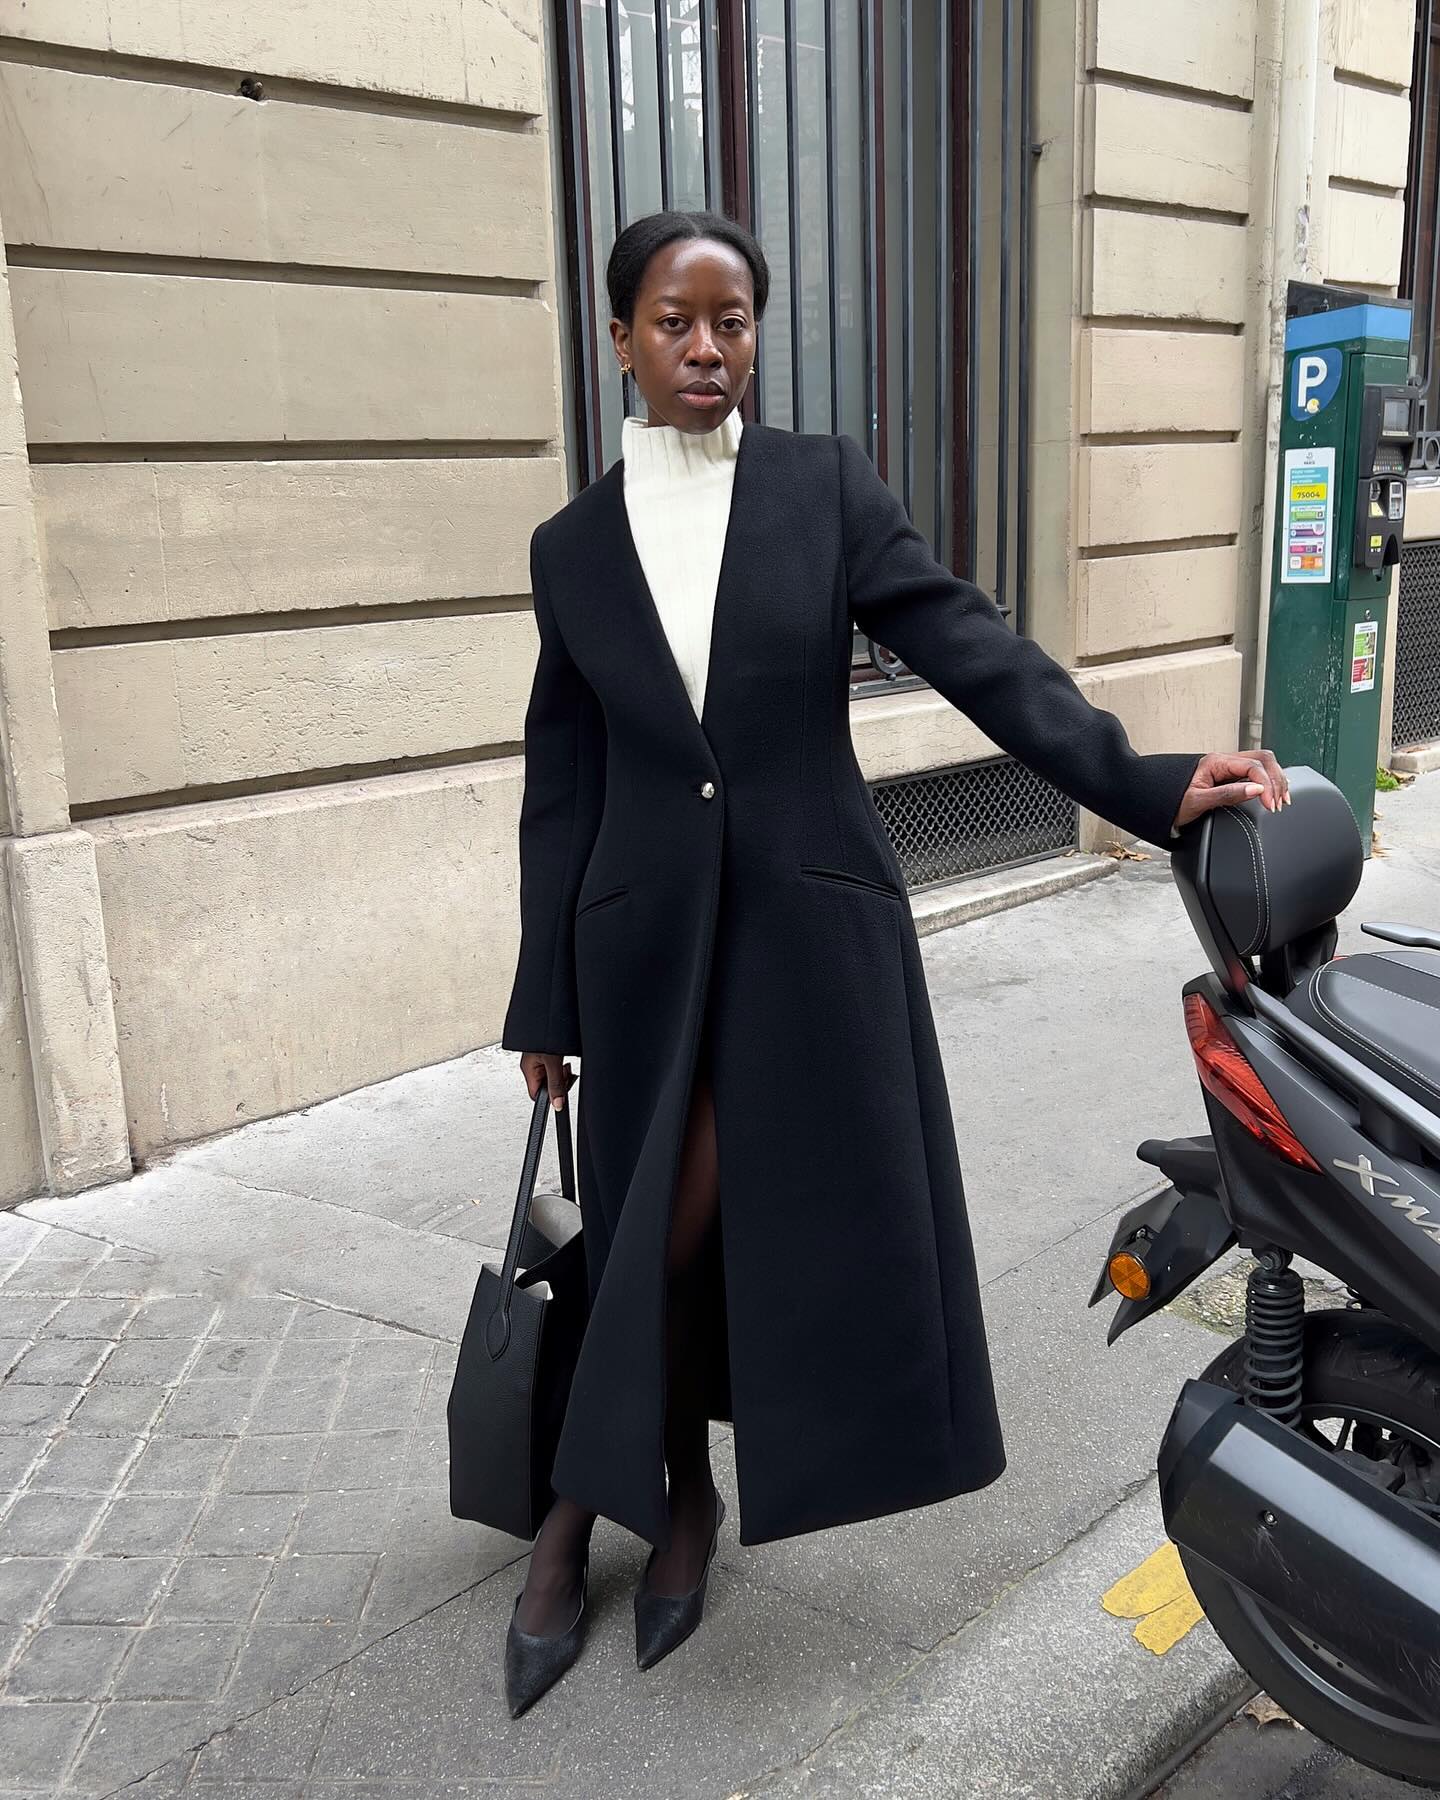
552, 1586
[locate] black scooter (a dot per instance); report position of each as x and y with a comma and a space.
1300, 1474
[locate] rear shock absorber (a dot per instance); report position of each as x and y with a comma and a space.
1275, 1337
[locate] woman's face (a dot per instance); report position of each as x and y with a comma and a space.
693, 329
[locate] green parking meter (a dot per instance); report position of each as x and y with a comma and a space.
1346, 431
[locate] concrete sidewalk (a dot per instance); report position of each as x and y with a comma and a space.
227, 1563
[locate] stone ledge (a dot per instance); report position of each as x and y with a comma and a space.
936, 909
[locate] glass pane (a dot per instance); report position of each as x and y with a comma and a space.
813, 206
640, 103
849, 276
602, 215
767, 22
683, 26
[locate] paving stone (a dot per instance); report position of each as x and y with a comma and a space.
409, 1584
37, 1742
259, 1317
422, 1517
112, 1408
301, 1359
17, 1455
149, 1361
179, 1662
399, 1356
326, 1322
278, 1658
175, 1316
200, 1408
277, 1745
87, 1318
77, 1463
68, 1662
245, 1524
24, 1315
179, 1465
380, 1402
24, 1583
61, 1277
41, 1407
11, 1351
47, 1524
146, 1525
216, 1588
70, 1360
233, 1360
124, 1273
117, 1590
287, 1405
361, 1459
323, 1589
349, 1521
207, 1408
272, 1465
427, 1462
133, 1737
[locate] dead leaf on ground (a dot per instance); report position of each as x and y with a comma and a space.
1123, 853
1264, 1711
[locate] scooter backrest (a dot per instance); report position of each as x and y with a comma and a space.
1270, 885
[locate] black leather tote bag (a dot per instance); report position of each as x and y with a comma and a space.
517, 1356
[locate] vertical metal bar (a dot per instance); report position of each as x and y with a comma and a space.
580, 239
942, 270
870, 152
792, 220
1433, 200
662, 102
1002, 413
972, 426
752, 128
1415, 212
957, 137
1022, 420
907, 242
882, 273
617, 112
709, 93
832, 285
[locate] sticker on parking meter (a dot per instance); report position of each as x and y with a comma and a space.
1309, 501
1362, 656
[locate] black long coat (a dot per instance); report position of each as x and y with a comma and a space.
739, 860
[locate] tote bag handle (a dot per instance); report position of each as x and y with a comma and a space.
497, 1327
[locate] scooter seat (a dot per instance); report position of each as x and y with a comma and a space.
1384, 1008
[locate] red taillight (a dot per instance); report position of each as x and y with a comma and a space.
1237, 1087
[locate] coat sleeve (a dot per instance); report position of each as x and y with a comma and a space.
955, 637
559, 818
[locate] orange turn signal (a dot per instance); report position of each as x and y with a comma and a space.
1128, 1276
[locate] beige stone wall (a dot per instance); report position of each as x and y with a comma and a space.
290, 377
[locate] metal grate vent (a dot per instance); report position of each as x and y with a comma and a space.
1417, 647
986, 815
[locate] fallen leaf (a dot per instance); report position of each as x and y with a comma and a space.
1264, 1711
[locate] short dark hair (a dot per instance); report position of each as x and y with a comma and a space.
641, 238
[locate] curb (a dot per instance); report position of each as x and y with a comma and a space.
979, 896
1043, 1696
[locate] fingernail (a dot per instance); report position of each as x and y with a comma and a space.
1252, 788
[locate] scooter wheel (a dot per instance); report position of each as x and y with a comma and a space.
1372, 1389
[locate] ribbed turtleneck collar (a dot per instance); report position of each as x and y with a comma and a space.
666, 451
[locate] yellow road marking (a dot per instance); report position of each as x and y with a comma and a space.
1159, 1597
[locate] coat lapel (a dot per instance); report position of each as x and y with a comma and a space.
738, 560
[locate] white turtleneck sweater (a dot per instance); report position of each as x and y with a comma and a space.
677, 487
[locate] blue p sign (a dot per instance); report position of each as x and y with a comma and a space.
1314, 379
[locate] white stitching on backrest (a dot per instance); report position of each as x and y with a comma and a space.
1365, 1044
1264, 872
1249, 949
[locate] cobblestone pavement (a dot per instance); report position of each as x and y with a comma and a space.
207, 1498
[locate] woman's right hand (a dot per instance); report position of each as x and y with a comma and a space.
538, 1065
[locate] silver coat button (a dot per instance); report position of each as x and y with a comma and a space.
708, 791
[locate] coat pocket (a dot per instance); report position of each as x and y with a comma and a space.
608, 898
816, 873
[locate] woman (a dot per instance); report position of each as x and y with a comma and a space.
713, 918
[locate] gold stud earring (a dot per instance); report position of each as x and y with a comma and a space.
624, 368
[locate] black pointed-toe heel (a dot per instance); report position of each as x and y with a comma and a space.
664, 1620
535, 1661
